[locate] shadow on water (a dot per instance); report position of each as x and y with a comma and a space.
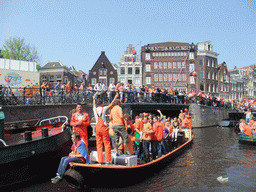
215, 152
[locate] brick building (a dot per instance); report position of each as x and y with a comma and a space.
52, 72
103, 71
168, 65
206, 68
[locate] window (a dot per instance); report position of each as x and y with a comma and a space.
178, 53
201, 61
51, 78
191, 67
112, 80
148, 68
179, 65
155, 77
202, 86
160, 77
175, 54
93, 81
169, 77
191, 55
181, 54
212, 74
216, 76
183, 65
154, 54
58, 77
147, 56
155, 65
184, 77
221, 79
121, 79
174, 76
207, 61
103, 72
165, 65
192, 79
208, 75
201, 74
169, 54
148, 80
137, 70
137, 81
122, 70
174, 65
129, 70
165, 77
160, 65
169, 65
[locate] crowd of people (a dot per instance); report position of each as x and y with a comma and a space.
247, 126
149, 136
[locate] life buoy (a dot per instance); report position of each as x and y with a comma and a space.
75, 179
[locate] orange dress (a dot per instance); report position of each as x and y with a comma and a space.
247, 130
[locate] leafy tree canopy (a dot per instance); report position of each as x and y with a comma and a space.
16, 48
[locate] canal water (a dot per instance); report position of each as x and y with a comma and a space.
215, 152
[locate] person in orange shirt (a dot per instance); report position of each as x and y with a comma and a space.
117, 119
131, 140
187, 122
68, 87
247, 130
147, 136
128, 122
138, 127
157, 136
80, 120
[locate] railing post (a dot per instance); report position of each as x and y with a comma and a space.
24, 97
1, 97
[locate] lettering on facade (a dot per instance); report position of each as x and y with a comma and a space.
171, 48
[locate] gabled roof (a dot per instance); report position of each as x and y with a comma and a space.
103, 60
53, 64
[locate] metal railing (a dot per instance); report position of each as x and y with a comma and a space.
32, 96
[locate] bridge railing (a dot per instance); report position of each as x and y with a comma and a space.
37, 96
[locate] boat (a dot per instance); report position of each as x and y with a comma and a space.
94, 175
245, 139
224, 123
27, 153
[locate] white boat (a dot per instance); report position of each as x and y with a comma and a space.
224, 123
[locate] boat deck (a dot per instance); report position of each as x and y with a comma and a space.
19, 138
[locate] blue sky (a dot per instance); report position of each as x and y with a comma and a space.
75, 32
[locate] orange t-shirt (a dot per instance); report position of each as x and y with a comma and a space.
147, 127
116, 116
138, 125
247, 130
158, 129
68, 88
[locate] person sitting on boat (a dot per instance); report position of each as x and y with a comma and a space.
247, 130
157, 137
147, 136
241, 125
80, 120
101, 129
78, 154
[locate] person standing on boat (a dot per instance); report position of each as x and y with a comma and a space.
101, 129
176, 128
117, 118
78, 154
157, 137
248, 115
80, 120
147, 136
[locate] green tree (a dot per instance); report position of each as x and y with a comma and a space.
16, 48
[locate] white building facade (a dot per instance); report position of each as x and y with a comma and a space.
130, 68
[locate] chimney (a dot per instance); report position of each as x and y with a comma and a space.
103, 52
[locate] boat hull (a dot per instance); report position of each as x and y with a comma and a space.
32, 160
244, 139
96, 176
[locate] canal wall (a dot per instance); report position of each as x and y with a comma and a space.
202, 116
205, 116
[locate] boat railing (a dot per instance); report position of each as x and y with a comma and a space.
3, 142
51, 120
